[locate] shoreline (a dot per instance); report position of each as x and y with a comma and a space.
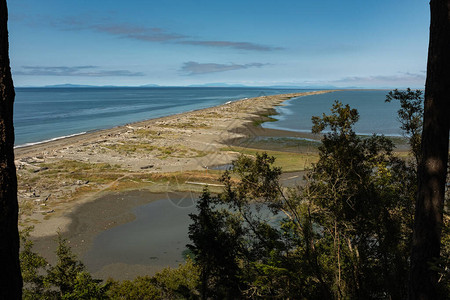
180, 142
59, 180
93, 131
83, 208
74, 140
21, 150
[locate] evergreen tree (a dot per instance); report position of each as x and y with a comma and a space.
33, 268
70, 278
216, 237
64, 274
346, 234
410, 116
358, 198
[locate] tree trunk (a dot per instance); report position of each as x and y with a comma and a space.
10, 276
433, 167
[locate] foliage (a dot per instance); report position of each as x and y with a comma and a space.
180, 283
69, 279
139, 288
85, 287
357, 195
216, 237
345, 234
410, 116
32, 266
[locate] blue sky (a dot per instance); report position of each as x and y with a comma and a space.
373, 44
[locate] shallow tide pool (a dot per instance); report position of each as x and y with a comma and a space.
158, 236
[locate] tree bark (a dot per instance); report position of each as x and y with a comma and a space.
10, 275
433, 167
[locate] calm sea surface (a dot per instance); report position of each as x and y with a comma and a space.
376, 116
48, 113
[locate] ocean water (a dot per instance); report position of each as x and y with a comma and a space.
376, 116
42, 114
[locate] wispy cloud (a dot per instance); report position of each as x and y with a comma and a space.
403, 77
149, 34
121, 30
195, 68
85, 71
228, 44
152, 34
399, 79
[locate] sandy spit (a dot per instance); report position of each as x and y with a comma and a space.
53, 194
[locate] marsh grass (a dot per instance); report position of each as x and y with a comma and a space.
77, 170
287, 144
264, 118
287, 161
26, 207
148, 134
179, 152
192, 123
161, 152
171, 182
75, 165
129, 148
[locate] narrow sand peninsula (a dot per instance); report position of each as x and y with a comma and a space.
55, 178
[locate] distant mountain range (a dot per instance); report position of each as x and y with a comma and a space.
69, 85
217, 84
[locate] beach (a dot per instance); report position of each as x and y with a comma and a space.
59, 180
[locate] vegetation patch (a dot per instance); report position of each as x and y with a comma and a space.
190, 124
171, 182
75, 165
287, 161
77, 170
148, 133
264, 118
180, 152
128, 148
159, 151
287, 144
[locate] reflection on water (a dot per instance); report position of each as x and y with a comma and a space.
158, 235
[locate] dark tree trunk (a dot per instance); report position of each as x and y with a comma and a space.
10, 276
433, 167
